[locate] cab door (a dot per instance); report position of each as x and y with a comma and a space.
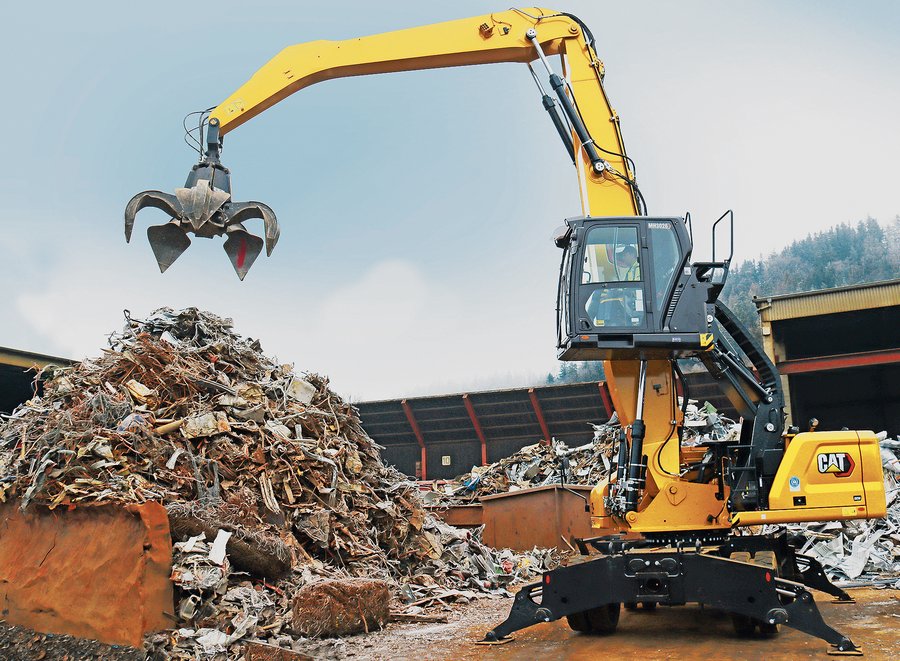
610, 275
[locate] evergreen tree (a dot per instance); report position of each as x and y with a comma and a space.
843, 255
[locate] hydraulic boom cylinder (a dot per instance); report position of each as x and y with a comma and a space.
636, 464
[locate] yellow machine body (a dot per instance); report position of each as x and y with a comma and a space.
669, 503
825, 476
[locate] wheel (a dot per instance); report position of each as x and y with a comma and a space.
601, 620
744, 626
630, 606
768, 630
604, 619
648, 605
579, 622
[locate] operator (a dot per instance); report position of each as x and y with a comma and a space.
627, 258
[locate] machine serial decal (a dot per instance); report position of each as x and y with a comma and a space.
839, 464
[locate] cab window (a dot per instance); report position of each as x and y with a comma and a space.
666, 259
611, 255
611, 275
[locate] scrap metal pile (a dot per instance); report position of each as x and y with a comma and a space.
861, 551
556, 463
269, 480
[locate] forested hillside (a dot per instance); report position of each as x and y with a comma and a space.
843, 255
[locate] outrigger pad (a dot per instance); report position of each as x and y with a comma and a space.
501, 641
833, 651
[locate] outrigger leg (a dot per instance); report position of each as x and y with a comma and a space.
792, 566
590, 593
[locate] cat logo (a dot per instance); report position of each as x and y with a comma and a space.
839, 464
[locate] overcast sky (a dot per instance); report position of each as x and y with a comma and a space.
416, 208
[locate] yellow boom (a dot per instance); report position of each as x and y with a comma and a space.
492, 38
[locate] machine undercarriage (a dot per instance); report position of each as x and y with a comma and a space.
759, 580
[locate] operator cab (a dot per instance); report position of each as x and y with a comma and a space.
627, 289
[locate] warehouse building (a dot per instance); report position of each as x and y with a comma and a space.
17, 371
838, 351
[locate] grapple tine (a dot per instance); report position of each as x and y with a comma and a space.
242, 249
241, 211
168, 242
149, 198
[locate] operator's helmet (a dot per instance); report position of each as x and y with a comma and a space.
627, 249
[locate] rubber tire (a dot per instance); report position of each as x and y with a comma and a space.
767, 630
579, 622
649, 605
630, 606
604, 619
744, 625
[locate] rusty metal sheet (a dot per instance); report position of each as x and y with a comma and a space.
98, 571
461, 516
542, 517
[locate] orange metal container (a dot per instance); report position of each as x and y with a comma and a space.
93, 571
461, 516
542, 516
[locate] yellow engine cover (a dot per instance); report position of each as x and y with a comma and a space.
825, 476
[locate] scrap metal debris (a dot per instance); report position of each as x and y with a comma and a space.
338, 608
269, 480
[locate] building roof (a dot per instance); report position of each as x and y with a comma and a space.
17, 372
885, 293
510, 417
521, 415
28, 359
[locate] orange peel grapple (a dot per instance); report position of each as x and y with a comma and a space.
204, 208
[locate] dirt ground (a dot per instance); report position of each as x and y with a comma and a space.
873, 623
20, 644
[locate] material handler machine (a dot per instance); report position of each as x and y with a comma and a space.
676, 524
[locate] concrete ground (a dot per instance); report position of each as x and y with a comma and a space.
686, 632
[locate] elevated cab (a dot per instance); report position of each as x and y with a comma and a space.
627, 290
